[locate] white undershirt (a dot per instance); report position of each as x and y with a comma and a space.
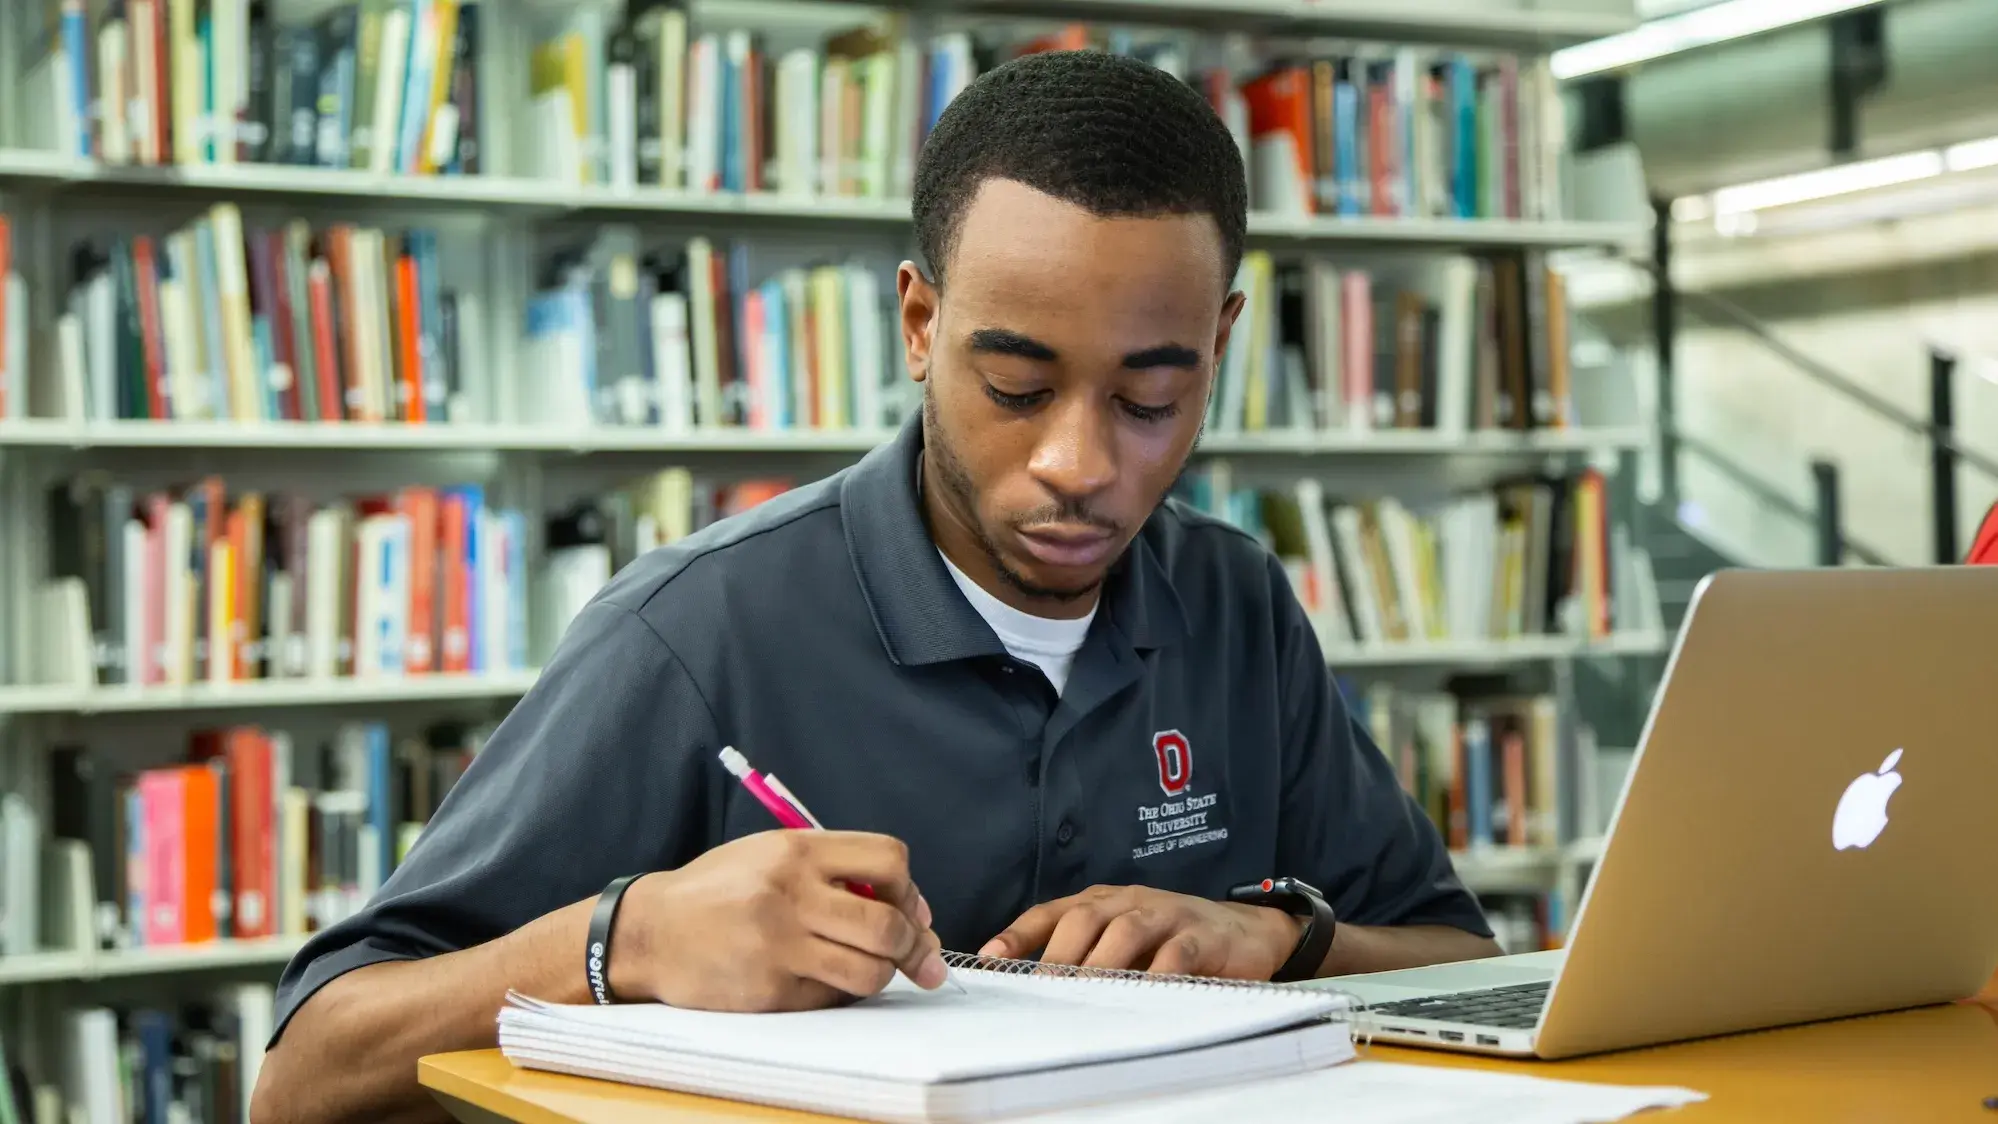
1049, 643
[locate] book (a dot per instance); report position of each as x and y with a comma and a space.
1013, 1037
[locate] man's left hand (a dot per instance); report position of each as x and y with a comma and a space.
1153, 930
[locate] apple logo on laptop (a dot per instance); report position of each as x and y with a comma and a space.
1862, 811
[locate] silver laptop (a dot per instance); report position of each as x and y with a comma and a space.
1807, 831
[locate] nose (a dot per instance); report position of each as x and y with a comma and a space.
1075, 457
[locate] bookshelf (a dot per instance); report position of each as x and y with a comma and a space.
351, 692
253, 695
1496, 653
360, 437
1511, 24
521, 197
92, 966
491, 236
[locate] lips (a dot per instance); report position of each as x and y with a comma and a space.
1068, 545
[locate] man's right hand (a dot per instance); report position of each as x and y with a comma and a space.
766, 923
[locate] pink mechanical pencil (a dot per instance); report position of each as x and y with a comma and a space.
792, 813
771, 793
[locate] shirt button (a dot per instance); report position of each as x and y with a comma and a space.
1065, 834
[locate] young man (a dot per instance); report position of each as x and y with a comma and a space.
989, 657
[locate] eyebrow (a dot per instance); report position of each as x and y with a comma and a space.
1167, 355
1000, 341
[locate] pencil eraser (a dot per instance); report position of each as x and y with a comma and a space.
734, 761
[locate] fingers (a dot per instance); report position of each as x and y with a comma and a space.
1029, 933
1190, 953
1130, 939
841, 967
1077, 932
1117, 928
877, 861
875, 929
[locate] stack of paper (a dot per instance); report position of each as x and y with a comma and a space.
1000, 1045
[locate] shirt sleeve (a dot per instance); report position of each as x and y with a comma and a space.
596, 773
1348, 827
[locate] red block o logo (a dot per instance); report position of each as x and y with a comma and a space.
1175, 761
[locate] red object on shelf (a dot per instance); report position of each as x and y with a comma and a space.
1984, 548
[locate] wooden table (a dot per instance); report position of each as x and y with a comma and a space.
1932, 1065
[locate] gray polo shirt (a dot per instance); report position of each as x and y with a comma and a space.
1199, 743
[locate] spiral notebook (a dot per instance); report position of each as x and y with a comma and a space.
1012, 1038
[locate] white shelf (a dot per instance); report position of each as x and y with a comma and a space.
1446, 234
1493, 23
1499, 869
508, 194
49, 967
362, 436
32, 699
1585, 852
1491, 870
1423, 442
1490, 653
359, 436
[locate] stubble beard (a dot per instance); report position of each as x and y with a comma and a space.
956, 483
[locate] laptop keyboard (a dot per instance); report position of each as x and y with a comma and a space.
1508, 1008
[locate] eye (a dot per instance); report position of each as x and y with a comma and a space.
1017, 402
1152, 413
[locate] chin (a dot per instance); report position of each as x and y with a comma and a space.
1051, 582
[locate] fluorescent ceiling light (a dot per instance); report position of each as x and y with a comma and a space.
1732, 209
1716, 23
1971, 155
1692, 208
1826, 182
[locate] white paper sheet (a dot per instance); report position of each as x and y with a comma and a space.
1370, 1092
992, 1024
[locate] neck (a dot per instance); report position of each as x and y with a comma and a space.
952, 531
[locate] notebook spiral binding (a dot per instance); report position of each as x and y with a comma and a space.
1355, 1013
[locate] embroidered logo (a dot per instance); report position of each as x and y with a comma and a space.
1184, 820
1175, 761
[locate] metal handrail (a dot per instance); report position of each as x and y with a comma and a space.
1768, 493
1850, 388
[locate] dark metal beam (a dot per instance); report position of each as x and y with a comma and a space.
1664, 334
1831, 530
1942, 453
1858, 68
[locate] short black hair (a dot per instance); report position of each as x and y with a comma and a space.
1114, 135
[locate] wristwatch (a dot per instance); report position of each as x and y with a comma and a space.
1299, 899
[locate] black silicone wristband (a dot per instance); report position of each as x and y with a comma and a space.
1312, 944
596, 960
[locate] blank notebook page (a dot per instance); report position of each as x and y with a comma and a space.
998, 1024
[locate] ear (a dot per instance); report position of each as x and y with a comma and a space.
921, 305
1231, 309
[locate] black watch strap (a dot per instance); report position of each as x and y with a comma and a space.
1312, 945
596, 965
1299, 899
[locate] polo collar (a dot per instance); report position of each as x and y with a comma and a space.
919, 612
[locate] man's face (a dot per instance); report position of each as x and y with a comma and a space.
1067, 376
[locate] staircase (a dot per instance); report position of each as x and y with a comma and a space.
1679, 557
1614, 696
